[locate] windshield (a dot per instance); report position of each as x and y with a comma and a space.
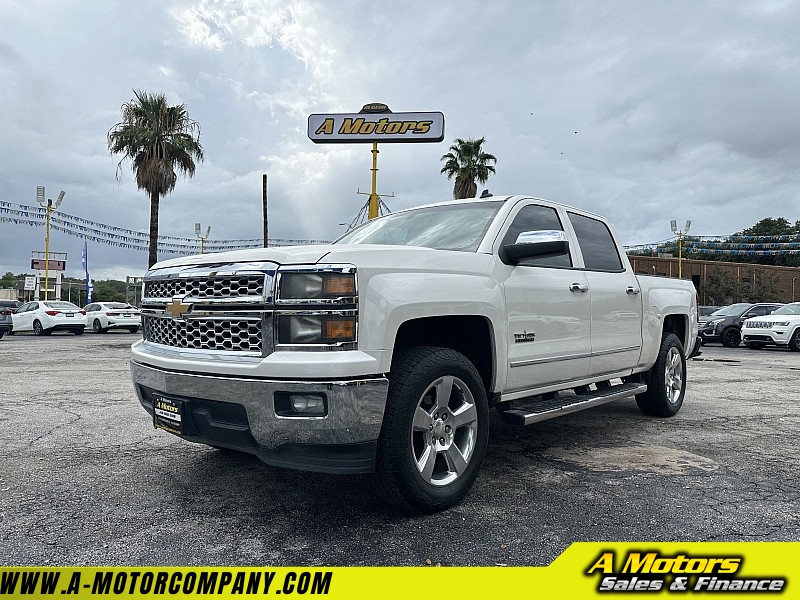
789, 309
61, 305
734, 310
449, 227
118, 305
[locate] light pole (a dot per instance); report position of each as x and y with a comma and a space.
203, 238
680, 234
50, 208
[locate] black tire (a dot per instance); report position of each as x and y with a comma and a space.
133, 329
97, 327
423, 463
755, 346
794, 341
666, 381
78, 331
731, 337
38, 329
2, 333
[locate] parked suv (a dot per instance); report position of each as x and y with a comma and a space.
781, 328
7, 307
725, 324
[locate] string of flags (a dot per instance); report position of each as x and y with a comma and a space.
20, 214
35, 216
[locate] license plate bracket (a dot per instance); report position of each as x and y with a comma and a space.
168, 414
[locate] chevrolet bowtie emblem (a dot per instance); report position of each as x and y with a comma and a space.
177, 308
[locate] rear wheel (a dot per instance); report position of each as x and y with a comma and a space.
133, 329
435, 429
794, 342
666, 381
78, 331
731, 337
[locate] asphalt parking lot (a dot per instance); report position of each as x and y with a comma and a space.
86, 480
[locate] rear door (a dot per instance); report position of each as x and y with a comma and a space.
616, 304
23, 318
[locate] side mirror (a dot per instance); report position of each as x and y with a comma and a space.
545, 243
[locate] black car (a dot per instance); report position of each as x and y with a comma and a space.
6, 308
725, 325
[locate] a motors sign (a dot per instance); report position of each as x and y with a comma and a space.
386, 127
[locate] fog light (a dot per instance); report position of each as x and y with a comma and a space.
300, 405
307, 404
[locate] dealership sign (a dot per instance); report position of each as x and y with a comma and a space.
376, 123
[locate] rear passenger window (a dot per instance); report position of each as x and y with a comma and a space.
536, 218
597, 244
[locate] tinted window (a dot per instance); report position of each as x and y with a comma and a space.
597, 244
536, 218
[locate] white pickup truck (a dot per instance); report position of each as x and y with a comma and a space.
384, 351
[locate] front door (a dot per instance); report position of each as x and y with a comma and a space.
548, 310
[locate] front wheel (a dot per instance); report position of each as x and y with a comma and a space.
435, 429
37, 328
731, 337
794, 342
97, 327
666, 383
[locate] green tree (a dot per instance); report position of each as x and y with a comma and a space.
468, 163
160, 140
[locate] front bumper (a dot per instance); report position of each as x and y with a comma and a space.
777, 337
239, 412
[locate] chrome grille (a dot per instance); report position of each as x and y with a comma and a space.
217, 308
206, 287
233, 334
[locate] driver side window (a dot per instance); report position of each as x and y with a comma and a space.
536, 218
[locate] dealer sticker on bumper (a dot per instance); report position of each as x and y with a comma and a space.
168, 414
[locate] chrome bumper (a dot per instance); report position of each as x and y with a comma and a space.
355, 406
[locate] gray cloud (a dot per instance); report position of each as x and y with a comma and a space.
682, 110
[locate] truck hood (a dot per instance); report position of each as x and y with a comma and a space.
360, 255
286, 255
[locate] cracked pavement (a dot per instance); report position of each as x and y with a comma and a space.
86, 480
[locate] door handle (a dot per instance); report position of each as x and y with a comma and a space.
578, 287
632, 290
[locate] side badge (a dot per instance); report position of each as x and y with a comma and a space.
524, 337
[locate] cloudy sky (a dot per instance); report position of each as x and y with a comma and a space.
642, 111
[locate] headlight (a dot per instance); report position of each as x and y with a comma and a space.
780, 324
714, 323
316, 329
316, 286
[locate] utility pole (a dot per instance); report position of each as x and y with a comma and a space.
264, 206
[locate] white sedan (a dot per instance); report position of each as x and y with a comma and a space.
102, 316
43, 317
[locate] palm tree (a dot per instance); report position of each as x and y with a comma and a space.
160, 140
468, 163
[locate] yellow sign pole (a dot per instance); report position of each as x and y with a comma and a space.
373, 197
